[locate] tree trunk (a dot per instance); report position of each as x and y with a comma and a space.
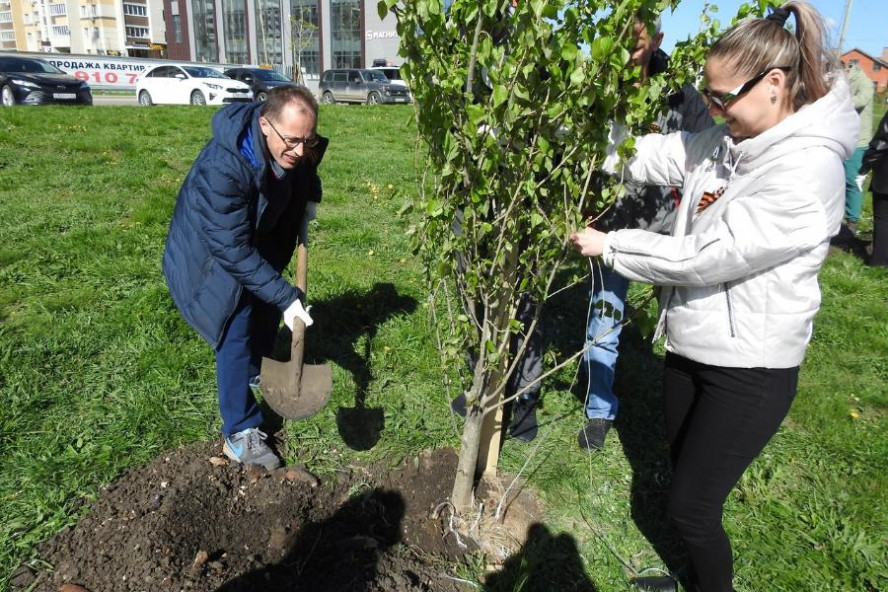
468, 461
482, 432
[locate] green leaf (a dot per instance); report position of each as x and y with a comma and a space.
568, 52
500, 94
476, 113
601, 48
577, 76
433, 208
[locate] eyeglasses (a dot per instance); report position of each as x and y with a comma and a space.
721, 100
293, 143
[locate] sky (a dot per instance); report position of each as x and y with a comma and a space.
867, 26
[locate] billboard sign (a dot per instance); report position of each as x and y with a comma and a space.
108, 72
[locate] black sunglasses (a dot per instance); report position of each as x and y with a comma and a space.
293, 143
721, 100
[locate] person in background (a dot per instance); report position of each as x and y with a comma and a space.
862, 92
642, 206
763, 194
239, 213
875, 159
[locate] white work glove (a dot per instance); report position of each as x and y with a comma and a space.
311, 210
294, 311
859, 180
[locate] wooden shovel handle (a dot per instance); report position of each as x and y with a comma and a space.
297, 345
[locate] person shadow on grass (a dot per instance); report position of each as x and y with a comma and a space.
544, 563
640, 423
341, 552
641, 426
339, 324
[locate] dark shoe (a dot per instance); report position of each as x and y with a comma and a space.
656, 583
523, 426
846, 239
592, 436
458, 405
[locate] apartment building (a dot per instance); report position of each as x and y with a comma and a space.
101, 27
318, 34
7, 28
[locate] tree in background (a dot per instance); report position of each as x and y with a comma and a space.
304, 34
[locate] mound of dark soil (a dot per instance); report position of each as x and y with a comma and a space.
191, 521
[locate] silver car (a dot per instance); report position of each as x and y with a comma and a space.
360, 85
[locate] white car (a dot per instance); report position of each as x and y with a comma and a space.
185, 84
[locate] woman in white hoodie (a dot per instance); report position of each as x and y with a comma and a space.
762, 195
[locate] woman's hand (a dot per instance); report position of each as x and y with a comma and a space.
588, 242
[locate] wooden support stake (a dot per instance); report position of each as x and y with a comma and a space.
491, 438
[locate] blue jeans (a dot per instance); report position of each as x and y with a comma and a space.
249, 336
608, 296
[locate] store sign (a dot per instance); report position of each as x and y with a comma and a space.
373, 35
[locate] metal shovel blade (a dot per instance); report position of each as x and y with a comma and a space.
296, 391
292, 389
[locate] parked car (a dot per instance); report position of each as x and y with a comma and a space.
360, 85
393, 73
195, 85
32, 81
260, 80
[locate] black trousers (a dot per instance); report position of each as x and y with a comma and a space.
718, 420
880, 230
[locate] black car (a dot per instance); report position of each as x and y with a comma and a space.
32, 81
259, 79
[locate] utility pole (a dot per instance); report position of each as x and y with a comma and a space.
844, 26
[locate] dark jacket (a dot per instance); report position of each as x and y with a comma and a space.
875, 158
650, 207
228, 232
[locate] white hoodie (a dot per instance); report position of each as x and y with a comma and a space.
740, 277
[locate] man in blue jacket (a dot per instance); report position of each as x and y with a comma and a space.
239, 213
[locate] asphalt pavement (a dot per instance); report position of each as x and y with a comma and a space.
121, 99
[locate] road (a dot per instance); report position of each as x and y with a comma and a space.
106, 100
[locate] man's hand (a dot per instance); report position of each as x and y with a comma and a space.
311, 210
588, 242
294, 311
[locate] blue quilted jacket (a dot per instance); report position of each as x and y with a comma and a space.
230, 234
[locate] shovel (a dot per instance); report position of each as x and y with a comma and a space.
292, 389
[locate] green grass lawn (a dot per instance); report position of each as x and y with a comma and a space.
98, 373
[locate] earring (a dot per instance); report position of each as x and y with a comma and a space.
773, 99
